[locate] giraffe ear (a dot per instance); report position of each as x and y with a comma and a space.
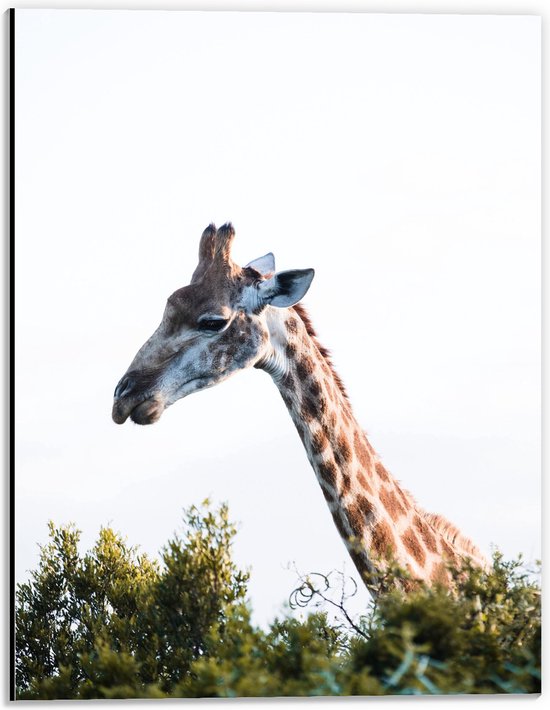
264, 264
286, 288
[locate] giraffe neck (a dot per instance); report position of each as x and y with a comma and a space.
377, 520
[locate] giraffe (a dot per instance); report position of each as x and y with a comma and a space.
230, 318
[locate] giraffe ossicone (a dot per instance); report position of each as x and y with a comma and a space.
230, 318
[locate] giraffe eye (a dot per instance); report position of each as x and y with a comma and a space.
212, 324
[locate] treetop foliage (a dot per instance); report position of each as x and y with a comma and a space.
112, 623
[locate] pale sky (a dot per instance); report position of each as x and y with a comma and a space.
398, 155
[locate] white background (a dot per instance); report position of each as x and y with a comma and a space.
399, 156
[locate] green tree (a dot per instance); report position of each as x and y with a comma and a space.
292, 658
484, 637
113, 624
87, 623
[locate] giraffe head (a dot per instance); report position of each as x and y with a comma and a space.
210, 329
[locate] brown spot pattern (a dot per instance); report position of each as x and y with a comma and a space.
304, 367
364, 483
346, 484
382, 473
290, 350
315, 388
291, 325
365, 505
356, 519
321, 404
288, 382
342, 451
325, 426
319, 442
327, 471
383, 541
412, 543
361, 451
309, 409
391, 503
425, 533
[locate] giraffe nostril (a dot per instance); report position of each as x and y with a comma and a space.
123, 387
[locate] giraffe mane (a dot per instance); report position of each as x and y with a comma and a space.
300, 310
447, 530
451, 533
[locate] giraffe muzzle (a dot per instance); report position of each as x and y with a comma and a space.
135, 397
130, 400
144, 411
